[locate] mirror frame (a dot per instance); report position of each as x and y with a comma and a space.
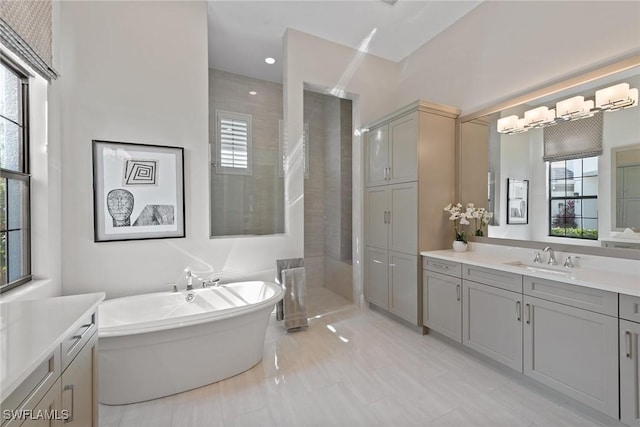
552, 89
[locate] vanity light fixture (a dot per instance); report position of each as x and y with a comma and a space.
269, 60
539, 117
511, 125
571, 107
507, 124
608, 99
616, 97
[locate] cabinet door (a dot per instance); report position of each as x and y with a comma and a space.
492, 322
377, 276
403, 218
49, 410
376, 156
376, 229
629, 372
442, 304
574, 351
403, 149
78, 391
403, 286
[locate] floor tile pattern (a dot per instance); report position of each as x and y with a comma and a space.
358, 367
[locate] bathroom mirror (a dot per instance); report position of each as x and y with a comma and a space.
575, 201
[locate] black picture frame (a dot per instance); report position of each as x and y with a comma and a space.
517, 201
138, 191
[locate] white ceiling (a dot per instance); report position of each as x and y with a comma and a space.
243, 33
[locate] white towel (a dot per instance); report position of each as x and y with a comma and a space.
295, 298
284, 264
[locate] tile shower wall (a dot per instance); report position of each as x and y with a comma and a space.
248, 204
328, 196
314, 190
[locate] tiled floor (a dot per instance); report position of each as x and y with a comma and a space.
358, 367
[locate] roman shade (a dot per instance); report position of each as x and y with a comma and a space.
573, 139
25, 29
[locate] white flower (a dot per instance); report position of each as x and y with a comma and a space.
463, 220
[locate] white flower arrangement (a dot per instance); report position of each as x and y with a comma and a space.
481, 217
461, 217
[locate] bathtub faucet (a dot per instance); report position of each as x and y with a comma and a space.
211, 282
189, 280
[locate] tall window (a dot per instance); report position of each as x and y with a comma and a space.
233, 148
15, 252
573, 198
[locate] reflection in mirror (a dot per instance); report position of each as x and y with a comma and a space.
626, 187
247, 188
572, 166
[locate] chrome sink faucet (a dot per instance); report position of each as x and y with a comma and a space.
538, 258
189, 280
569, 261
552, 255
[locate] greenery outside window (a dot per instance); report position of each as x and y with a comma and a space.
15, 250
573, 198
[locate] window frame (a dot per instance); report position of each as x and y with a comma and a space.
23, 175
551, 199
231, 170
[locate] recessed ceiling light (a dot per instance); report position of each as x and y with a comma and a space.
253, 92
269, 60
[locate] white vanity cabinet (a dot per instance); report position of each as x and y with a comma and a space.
571, 341
61, 389
442, 297
492, 322
409, 168
391, 216
629, 360
390, 152
492, 314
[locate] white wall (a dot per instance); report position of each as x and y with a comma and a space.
504, 48
137, 72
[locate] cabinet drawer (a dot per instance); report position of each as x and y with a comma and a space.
630, 308
595, 300
499, 279
72, 345
34, 387
441, 266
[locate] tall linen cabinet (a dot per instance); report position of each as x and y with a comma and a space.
409, 176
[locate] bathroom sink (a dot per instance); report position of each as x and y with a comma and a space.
553, 270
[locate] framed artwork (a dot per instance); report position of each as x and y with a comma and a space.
517, 201
138, 191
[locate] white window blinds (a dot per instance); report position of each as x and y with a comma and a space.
233, 143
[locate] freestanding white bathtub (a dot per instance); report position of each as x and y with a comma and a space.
159, 344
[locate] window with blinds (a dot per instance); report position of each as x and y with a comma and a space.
233, 143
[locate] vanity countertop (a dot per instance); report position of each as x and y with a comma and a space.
623, 283
31, 330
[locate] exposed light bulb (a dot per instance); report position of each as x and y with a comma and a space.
269, 60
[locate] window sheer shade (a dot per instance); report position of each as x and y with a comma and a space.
573, 139
25, 29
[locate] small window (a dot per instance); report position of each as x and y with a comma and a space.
233, 148
573, 198
15, 248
